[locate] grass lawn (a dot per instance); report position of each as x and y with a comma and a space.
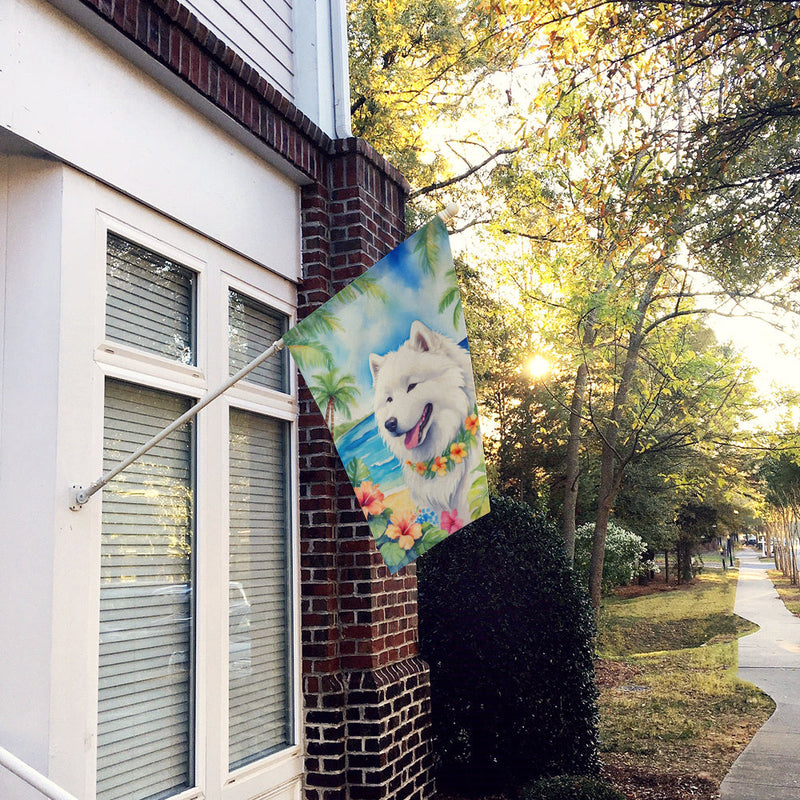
788, 593
670, 701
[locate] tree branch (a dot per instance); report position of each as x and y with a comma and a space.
506, 151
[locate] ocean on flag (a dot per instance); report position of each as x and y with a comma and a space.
388, 364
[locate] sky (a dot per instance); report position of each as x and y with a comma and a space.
771, 352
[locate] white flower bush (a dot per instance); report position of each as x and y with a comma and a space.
623, 559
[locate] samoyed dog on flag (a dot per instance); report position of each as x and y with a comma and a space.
424, 400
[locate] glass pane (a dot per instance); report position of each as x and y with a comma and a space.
145, 720
252, 328
150, 302
260, 690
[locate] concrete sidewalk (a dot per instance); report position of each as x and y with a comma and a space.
769, 767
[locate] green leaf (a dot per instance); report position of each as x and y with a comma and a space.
366, 284
378, 525
394, 555
357, 471
430, 538
478, 495
428, 244
309, 356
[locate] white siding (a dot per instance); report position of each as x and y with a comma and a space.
91, 108
260, 31
299, 46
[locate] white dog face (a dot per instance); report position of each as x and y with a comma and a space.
419, 394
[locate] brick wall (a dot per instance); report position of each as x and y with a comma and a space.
366, 693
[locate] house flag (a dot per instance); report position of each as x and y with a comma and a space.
388, 364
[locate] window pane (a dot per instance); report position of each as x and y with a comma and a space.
145, 722
252, 328
150, 303
260, 689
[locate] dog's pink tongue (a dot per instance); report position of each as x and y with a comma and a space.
412, 437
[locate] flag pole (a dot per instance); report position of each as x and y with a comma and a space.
80, 495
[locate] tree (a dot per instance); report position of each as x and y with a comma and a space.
414, 63
336, 391
655, 142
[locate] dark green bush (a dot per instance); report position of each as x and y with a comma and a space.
571, 787
507, 632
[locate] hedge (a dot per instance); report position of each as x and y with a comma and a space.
508, 633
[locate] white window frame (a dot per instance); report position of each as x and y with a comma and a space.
217, 270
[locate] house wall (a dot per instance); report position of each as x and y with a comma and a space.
94, 110
51, 436
367, 693
260, 31
267, 168
28, 415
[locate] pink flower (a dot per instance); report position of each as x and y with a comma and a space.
451, 522
370, 498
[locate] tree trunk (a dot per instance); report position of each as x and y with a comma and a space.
610, 476
684, 566
568, 521
329, 414
604, 505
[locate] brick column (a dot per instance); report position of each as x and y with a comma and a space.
366, 691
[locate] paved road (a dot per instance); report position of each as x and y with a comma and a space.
769, 767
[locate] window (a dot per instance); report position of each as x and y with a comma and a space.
252, 328
260, 716
150, 301
146, 697
167, 672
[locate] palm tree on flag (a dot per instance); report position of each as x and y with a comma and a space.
335, 392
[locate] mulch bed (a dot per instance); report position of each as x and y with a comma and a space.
608, 673
638, 784
657, 584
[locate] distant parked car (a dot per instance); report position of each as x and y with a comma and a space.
751, 540
148, 613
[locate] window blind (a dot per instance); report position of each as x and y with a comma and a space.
145, 710
252, 328
150, 301
260, 686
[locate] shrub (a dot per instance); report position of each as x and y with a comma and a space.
624, 551
507, 632
570, 787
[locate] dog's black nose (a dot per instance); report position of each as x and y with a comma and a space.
391, 424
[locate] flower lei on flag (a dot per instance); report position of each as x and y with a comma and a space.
441, 465
402, 536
